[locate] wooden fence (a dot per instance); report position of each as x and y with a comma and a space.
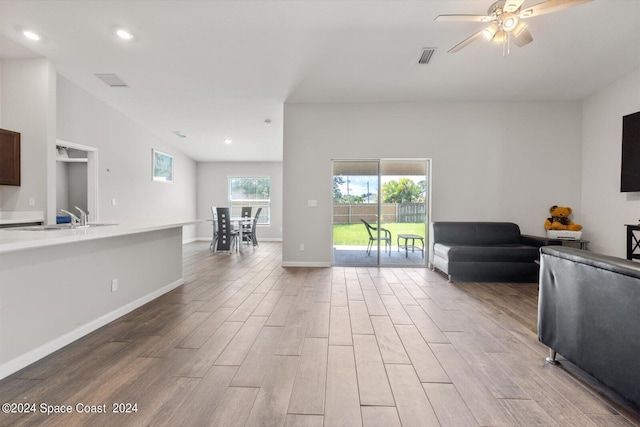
389, 212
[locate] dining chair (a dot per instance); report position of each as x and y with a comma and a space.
226, 235
214, 240
246, 227
386, 237
251, 234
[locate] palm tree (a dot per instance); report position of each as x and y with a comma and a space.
403, 191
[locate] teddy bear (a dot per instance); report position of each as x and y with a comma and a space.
560, 219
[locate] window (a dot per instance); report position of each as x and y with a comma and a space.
254, 192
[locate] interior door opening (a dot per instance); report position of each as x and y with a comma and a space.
76, 180
380, 212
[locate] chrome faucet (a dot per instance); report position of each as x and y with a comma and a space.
75, 221
83, 216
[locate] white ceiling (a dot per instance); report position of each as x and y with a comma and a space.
217, 69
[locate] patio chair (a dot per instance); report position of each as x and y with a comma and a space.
373, 237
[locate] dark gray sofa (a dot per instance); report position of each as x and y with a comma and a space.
486, 251
589, 312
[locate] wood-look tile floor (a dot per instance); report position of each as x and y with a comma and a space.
246, 342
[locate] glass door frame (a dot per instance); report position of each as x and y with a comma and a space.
379, 260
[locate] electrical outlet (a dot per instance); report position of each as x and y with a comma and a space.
301, 247
32, 201
114, 285
113, 202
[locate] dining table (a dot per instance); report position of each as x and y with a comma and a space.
240, 221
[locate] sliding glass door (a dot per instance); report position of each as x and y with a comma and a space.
380, 211
355, 212
403, 207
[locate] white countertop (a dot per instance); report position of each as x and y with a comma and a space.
19, 217
16, 240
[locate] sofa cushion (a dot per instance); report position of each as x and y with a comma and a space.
512, 252
476, 233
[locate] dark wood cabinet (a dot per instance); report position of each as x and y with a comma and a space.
9, 157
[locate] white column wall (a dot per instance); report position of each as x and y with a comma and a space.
26, 89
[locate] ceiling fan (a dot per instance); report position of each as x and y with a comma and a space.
505, 19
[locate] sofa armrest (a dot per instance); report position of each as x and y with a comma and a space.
540, 241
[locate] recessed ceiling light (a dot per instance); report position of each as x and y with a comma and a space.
179, 134
31, 35
124, 34
228, 141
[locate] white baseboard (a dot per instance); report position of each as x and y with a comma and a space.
305, 264
24, 360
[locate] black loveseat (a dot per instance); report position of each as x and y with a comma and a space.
589, 312
486, 251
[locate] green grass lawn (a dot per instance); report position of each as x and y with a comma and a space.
356, 234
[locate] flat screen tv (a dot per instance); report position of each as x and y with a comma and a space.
630, 176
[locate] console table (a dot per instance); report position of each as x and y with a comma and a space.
633, 241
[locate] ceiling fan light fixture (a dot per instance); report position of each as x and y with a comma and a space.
519, 28
500, 37
505, 21
510, 23
490, 32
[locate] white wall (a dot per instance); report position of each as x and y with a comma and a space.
124, 161
62, 185
27, 87
77, 186
212, 182
604, 208
491, 161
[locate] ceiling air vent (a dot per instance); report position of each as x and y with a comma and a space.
112, 80
427, 53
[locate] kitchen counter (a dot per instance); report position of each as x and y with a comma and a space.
59, 285
15, 240
17, 217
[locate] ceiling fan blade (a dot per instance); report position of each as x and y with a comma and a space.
465, 42
523, 38
550, 6
462, 18
510, 6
